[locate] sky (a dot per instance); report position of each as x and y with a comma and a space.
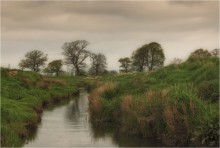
114, 28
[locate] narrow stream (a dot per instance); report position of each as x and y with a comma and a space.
68, 125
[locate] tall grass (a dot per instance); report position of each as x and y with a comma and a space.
171, 104
97, 109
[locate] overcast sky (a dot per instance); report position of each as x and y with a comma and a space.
113, 28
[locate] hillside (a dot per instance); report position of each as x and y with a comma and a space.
177, 104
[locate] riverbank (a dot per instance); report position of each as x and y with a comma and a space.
24, 94
177, 104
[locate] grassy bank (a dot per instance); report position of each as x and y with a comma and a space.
177, 104
23, 96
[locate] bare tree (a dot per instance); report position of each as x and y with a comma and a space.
75, 54
216, 52
176, 61
200, 54
99, 64
33, 60
125, 64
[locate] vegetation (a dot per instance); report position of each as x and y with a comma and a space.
75, 54
176, 61
177, 104
99, 64
149, 55
54, 67
200, 53
23, 96
216, 52
33, 60
125, 64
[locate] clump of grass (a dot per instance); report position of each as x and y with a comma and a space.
126, 104
169, 114
95, 99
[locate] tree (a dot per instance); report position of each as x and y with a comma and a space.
125, 64
200, 53
176, 61
33, 60
99, 64
54, 67
139, 58
149, 55
155, 56
46, 71
216, 52
75, 54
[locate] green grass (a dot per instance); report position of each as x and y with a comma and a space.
177, 103
23, 95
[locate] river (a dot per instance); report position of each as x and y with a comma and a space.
67, 125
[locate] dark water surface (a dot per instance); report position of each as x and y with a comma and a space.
68, 125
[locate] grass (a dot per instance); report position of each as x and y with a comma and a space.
177, 104
23, 96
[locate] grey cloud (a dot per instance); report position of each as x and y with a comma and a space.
133, 15
114, 28
189, 3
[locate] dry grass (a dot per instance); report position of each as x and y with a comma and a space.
13, 72
126, 104
95, 97
170, 118
47, 83
26, 80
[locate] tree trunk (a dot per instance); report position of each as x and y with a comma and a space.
77, 70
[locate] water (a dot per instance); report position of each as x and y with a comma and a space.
68, 126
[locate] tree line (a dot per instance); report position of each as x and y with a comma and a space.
147, 57
75, 54
151, 56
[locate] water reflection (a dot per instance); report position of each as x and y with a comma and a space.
72, 111
68, 125
102, 130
